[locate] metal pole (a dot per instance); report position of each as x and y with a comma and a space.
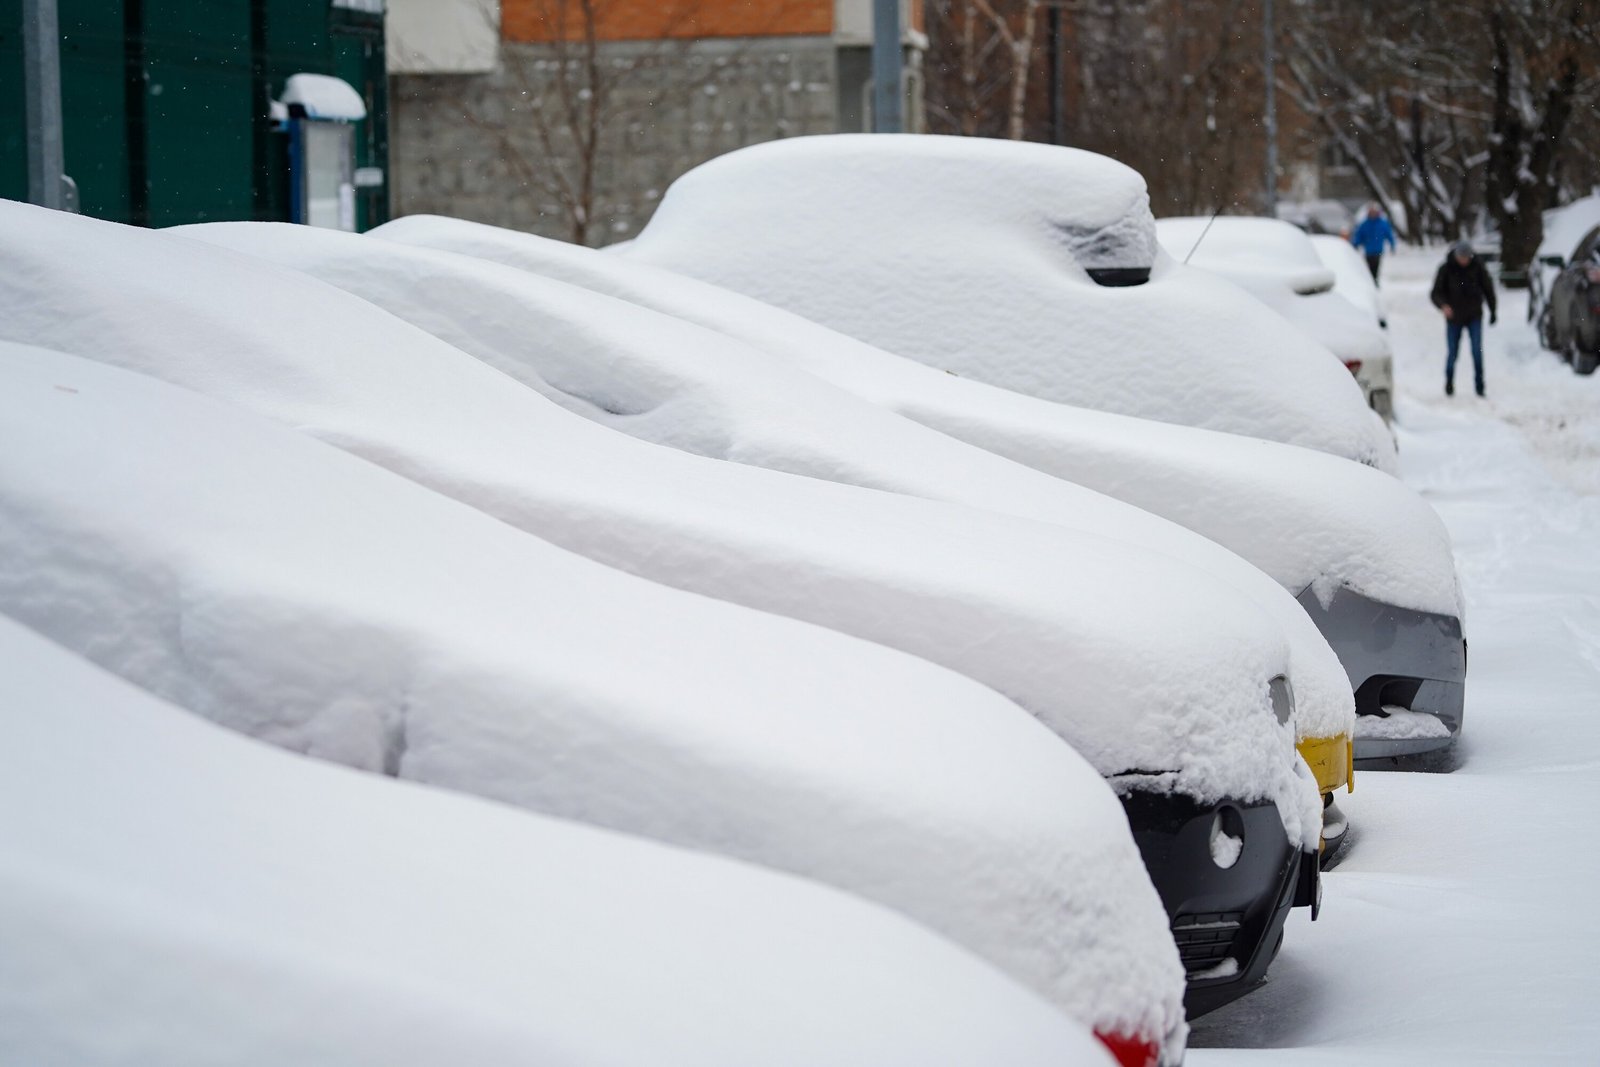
1058, 81
888, 68
41, 73
1271, 62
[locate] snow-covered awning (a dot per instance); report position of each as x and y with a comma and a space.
325, 97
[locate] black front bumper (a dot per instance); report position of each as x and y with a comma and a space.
1227, 922
1395, 657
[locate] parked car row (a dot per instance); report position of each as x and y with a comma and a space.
949, 617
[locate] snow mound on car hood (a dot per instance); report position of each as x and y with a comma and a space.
705, 392
1305, 518
1142, 663
961, 253
176, 895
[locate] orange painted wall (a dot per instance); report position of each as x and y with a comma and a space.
627, 20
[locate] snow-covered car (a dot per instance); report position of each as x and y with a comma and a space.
1368, 560
1569, 320
173, 894
1314, 286
1168, 681
289, 590
676, 383
1028, 266
1353, 281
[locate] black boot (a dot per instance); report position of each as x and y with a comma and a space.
1480, 388
1449, 388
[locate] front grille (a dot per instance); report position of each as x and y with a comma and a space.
1206, 939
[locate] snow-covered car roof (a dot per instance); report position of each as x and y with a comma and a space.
971, 255
1278, 264
1566, 226
676, 383
1236, 245
1286, 510
322, 603
177, 895
1156, 672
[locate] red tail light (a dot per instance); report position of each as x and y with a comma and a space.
1131, 1051
1353, 366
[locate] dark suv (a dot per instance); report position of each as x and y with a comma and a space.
1569, 320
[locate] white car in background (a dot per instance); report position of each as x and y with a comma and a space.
324, 604
1027, 266
1321, 284
172, 894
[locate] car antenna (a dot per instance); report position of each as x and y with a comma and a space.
1202, 236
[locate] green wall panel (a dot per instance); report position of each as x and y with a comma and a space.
199, 108
93, 106
165, 103
13, 124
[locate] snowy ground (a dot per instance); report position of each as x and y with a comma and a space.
1459, 927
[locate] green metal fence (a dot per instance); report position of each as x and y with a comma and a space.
165, 103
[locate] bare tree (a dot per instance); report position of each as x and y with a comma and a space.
582, 100
1454, 112
978, 68
1170, 87
1544, 68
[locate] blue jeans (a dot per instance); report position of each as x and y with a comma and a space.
1452, 340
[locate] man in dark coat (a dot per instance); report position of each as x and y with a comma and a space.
1460, 290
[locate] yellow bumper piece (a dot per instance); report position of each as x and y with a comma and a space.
1331, 759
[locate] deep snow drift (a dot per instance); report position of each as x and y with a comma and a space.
1140, 662
1463, 932
671, 381
294, 592
997, 289
174, 895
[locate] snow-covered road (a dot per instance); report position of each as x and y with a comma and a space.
1460, 927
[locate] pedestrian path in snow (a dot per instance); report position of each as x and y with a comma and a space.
1459, 928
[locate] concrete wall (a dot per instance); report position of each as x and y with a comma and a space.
474, 146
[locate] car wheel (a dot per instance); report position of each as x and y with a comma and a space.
1547, 330
1585, 362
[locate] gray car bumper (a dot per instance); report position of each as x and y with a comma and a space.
1396, 658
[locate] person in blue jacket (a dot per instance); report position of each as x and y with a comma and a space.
1371, 236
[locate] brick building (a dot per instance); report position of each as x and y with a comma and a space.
571, 120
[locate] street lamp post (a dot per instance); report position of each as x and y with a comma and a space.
888, 68
1270, 62
41, 71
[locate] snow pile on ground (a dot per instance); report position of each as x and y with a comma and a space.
970, 255
1140, 662
1307, 519
671, 381
298, 594
171, 894
1464, 932
1278, 265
